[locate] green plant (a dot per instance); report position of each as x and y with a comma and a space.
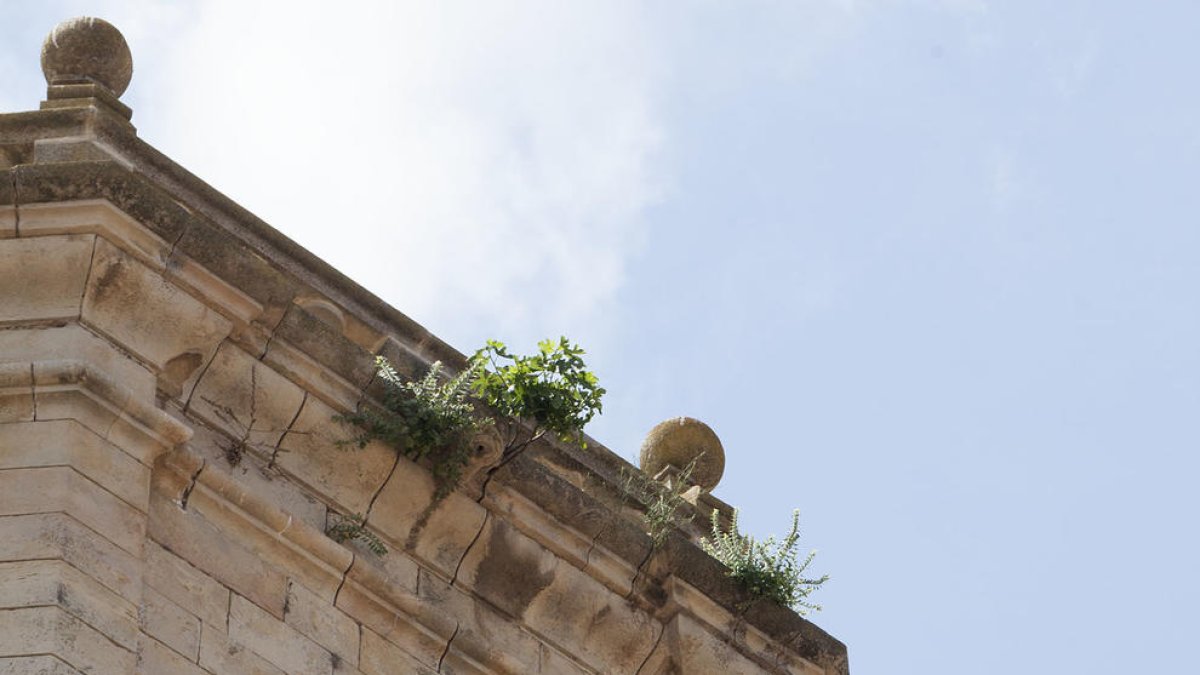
664, 504
354, 527
552, 391
765, 569
428, 417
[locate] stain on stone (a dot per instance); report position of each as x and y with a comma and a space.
108, 277
511, 574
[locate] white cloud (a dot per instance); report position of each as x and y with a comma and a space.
478, 165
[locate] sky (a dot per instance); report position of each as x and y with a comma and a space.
929, 268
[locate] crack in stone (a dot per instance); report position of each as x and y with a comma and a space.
277, 449
637, 574
467, 550
661, 632
446, 651
88, 275
187, 491
371, 504
345, 574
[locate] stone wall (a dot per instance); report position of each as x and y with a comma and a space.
170, 368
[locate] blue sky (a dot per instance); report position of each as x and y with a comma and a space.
929, 269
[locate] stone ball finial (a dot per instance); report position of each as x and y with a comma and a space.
87, 49
679, 441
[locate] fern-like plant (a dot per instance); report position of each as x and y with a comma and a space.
766, 569
430, 417
352, 528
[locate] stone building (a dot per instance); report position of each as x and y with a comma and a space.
170, 367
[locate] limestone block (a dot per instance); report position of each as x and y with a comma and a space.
240, 266
36, 665
553, 662
245, 398
177, 580
16, 392
57, 536
699, 651
321, 622
507, 568
597, 625
324, 342
94, 216
248, 466
38, 343
154, 658
436, 533
380, 657
395, 614
220, 654
275, 641
347, 476
147, 314
210, 548
42, 278
42, 583
69, 444
50, 630
8, 230
170, 624
484, 635
61, 489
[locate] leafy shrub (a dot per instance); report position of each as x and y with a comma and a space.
552, 389
765, 569
428, 417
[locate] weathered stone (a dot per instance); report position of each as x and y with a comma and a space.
67, 443
57, 536
177, 580
220, 654
191, 536
326, 345
380, 657
155, 658
275, 641
349, 477
483, 635
316, 618
508, 569
128, 191
238, 265
437, 532
38, 343
681, 442
44, 583
87, 48
98, 217
61, 489
170, 624
603, 629
50, 630
149, 316
248, 465
16, 393
42, 278
245, 398
37, 665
